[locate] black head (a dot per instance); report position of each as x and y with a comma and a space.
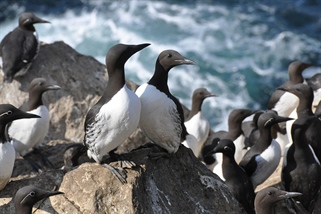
268, 119
9, 113
299, 90
27, 20
295, 70
238, 115
315, 81
27, 196
40, 85
170, 58
270, 195
225, 146
117, 55
300, 125
201, 94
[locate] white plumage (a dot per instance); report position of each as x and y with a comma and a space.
159, 120
7, 158
27, 134
116, 120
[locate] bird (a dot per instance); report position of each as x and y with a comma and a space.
162, 118
20, 47
196, 124
301, 171
266, 198
236, 179
283, 102
8, 113
28, 196
250, 130
116, 114
264, 156
27, 134
234, 133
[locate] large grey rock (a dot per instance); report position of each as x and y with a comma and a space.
176, 184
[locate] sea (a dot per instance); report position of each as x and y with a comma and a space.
242, 48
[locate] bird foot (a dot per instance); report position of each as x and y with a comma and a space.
119, 173
126, 164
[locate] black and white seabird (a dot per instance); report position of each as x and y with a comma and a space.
301, 170
283, 102
236, 179
196, 124
162, 117
20, 47
28, 196
116, 115
266, 198
264, 156
27, 134
251, 130
8, 113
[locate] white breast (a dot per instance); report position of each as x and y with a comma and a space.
7, 158
28, 133
192, 143
114, 123
199, 127
267, 163
159, 119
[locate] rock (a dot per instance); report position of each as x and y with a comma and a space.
152, 187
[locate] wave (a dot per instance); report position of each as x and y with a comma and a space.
241, 51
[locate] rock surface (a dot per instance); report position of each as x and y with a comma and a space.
177, 184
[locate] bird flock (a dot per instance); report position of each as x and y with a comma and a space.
244, 156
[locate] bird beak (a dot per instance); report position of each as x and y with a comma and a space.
285, 194
51, 193
184, 61
39, 20
53, 87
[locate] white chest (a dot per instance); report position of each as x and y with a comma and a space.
7, 158
159, 119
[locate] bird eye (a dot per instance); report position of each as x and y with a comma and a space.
32, 194
226, 148
169, 55
269, 193
9, 112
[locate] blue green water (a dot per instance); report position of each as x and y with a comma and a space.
242, 48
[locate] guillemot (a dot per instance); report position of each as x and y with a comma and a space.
20, 47
236, 179
196, 124
116, 115
8, 113
28, 196
162, 118
301, 170
27, 134
266, 198
264, 156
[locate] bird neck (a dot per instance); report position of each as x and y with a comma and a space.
160, 78
268, 209
35, 100
196, 107
3, 130
22, 209
115, 82
265, 136
304, 107
27, 27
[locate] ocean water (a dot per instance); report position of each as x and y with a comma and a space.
241, 48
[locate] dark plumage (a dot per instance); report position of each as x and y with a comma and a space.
266, 198
28, 196
301, 171
19, 47
235, 177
